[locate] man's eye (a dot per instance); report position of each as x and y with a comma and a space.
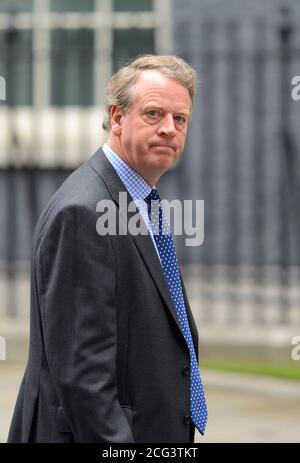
153, 113
180, 119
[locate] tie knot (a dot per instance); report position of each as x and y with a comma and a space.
152, 196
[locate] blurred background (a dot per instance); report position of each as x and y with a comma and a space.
241, 157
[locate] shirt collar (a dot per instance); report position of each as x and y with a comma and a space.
136, 186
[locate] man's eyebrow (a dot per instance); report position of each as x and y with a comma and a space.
150, 106
153, 105
183, 112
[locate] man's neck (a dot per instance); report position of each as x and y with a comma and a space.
118, 151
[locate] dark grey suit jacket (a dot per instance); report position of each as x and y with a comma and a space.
107, 359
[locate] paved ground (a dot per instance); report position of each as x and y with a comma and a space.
252, 409
241, 408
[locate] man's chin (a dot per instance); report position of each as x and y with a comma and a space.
163, 163
161, 150
158, 169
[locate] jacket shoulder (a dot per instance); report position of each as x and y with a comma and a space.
80, 193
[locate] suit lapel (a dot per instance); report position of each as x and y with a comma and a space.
144, 244
192, 323
149, 255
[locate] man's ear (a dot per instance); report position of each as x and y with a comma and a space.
116, 118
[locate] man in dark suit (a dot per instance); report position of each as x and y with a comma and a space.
113, 343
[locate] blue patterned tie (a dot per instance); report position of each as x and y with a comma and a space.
167, 253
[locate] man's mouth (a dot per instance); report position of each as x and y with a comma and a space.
159, 145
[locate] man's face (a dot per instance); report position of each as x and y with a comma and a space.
150, 136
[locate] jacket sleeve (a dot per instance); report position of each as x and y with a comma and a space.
77, 291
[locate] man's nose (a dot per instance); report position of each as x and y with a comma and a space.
167, 127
